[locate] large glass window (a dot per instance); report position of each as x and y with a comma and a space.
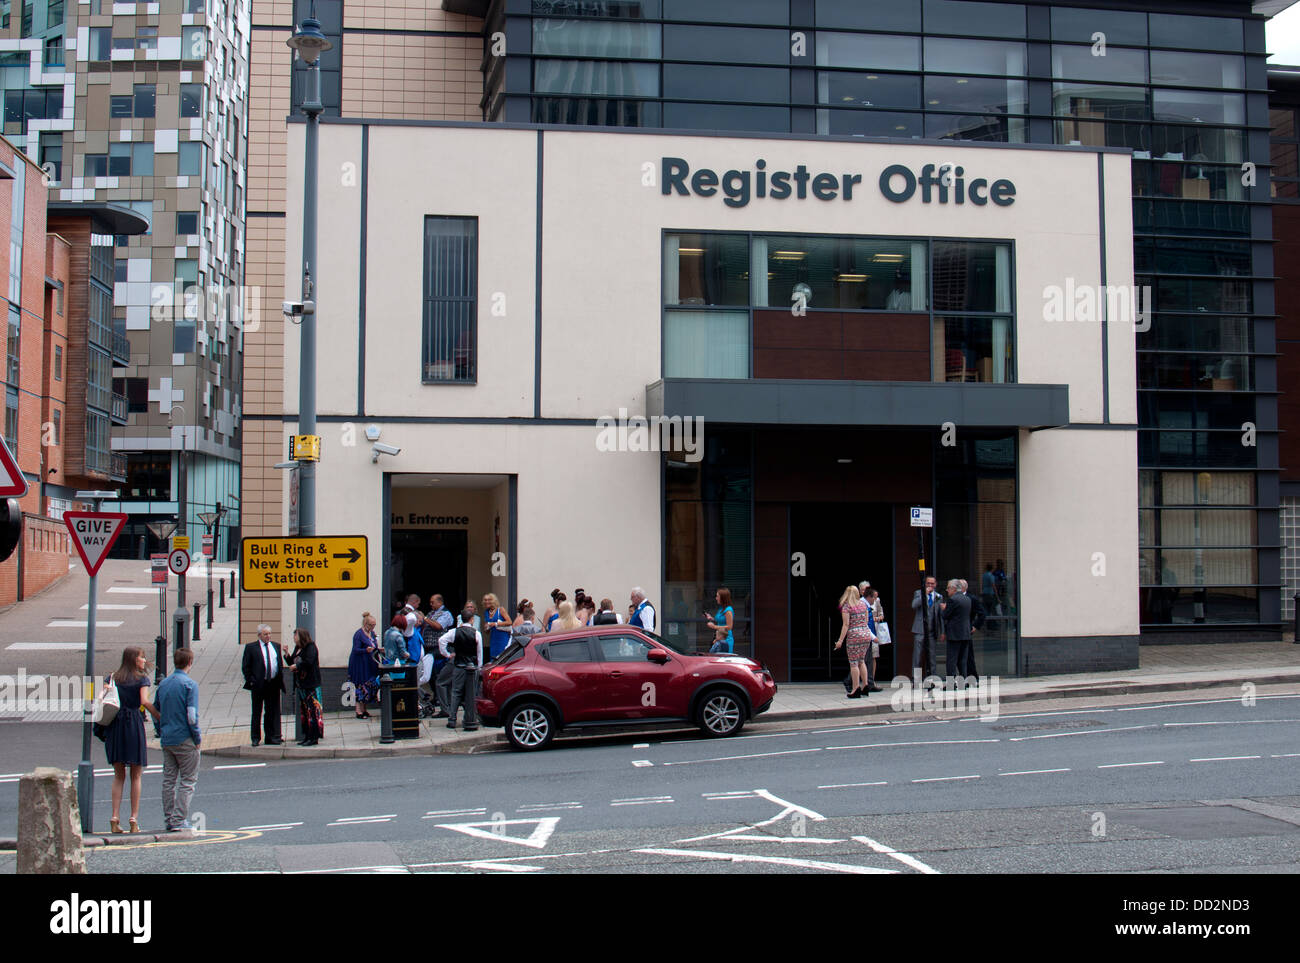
843, 272
726, 117
980, 94
594, 78
191, 100
1116, 66
1197, 69
859, 51
597, 38
1002, 59
450, 331
855, 15
745, 84
972, 276
1195, 33
729, 11
966, 19
706, 43
708, 269
1116, 26
857, 89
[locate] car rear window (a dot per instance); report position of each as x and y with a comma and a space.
512, 653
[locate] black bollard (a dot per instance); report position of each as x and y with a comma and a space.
196, 621
209, 608
232, 585
221, 593
160, 659
386, 709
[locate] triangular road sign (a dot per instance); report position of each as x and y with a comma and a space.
492, 830
93, 534
13, 484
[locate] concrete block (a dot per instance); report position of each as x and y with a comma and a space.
49, 823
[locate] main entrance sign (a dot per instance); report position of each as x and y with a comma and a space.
944, 183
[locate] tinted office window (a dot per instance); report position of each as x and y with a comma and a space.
856, 89
971, 276
191, 100
753, 84
706, 269
144, 100
974, 57
1197, 69
974, 19
578, 38
869, 123
855, 50
726, 117
119, 105
95, 165
187, 222
729, 11
1118, 26
600, 78
975, 94
626, 9
450, 334
1116, 67
706, 43
190, 159
902, 15
119, 160
1208, 33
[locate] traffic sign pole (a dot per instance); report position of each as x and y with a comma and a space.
93, 534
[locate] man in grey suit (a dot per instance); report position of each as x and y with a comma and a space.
923, 657
956, 631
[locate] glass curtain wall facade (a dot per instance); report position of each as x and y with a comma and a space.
1188, 94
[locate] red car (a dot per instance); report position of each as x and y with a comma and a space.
616, 675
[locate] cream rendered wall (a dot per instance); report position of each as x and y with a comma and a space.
586, 517
1078, 497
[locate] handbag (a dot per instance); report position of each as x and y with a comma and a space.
107, 704
882, 633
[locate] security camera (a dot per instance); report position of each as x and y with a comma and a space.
372, 432
378, 449
297, 309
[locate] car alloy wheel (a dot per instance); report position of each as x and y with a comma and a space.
721, 714
530, 727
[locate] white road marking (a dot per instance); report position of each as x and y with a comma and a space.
642, 801
362, 820
45, 646
133, 591
852, 785
936, 742
752, 755
902, 857
502, 867
1031, 772
241, 765
510, 859
732, 794
816, 840
1086, 710
641, 745
944, 778
1284, 755
1084, 732
639, 763
540, 807
1222, 758
75, 624
272, 827
1124, 765
390, 868
106, 607
454, 812
1201, 702
814, 864
543, 827
1226, 722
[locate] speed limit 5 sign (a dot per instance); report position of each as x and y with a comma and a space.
178, 561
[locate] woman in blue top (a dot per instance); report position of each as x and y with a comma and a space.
498, 622
723, 640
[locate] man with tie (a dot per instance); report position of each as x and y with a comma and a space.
263, 667
922, 655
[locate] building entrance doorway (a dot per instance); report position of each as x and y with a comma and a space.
428, 562
841, 543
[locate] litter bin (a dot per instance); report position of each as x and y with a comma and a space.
405, 701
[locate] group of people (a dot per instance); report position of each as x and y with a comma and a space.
264, 666
449, 650
947, 619
175, 713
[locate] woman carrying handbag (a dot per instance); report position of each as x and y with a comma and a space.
305, 660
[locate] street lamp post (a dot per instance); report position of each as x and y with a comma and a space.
210, 520
309, 43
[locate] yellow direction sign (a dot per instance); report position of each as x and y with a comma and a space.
304, 563
181, 542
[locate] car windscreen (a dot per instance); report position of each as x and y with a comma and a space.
511, 652
671, 646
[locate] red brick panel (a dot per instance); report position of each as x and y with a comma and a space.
43, 556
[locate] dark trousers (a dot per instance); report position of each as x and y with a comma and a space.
464, 690
958, 658
266, 702
922, 657
442, 687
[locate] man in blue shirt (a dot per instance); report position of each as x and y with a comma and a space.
178, 731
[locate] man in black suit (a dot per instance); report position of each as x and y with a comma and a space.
922, 656
263, 676
956, 630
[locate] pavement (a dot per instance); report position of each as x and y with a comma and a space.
224, 704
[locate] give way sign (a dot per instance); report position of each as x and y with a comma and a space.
13, 484
93, 534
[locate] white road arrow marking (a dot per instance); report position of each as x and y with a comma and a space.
815, 864
537, 839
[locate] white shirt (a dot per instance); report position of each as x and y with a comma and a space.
647, 617
269, 660
412, 617
451, 634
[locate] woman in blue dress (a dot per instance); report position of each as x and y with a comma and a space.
124, 736
721, 624
498, 622
363, 664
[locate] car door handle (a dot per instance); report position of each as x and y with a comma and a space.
615, 674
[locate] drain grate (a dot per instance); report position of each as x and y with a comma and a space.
1064, 724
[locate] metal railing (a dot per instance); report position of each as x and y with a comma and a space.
121, 348
118, 409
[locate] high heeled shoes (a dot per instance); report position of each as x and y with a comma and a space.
115, 825
135, 826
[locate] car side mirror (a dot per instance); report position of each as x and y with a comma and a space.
657, 655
